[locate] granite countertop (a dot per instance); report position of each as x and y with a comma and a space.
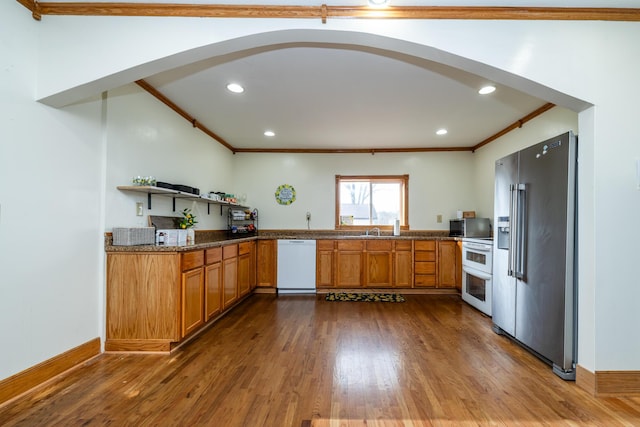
210, 239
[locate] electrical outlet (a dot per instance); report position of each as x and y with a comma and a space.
308, 216
138, 208
439, 218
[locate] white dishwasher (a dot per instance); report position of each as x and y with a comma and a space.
296, 266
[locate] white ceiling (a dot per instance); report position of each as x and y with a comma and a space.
318, 97
331, 96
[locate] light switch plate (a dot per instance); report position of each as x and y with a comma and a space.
138, 208
439, 218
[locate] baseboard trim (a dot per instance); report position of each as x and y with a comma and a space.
135, 345
405, 291
586, 380
24, 381
608, 383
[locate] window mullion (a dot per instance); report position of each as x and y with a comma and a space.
370, 203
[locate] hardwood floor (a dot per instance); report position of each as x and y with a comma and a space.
299, 360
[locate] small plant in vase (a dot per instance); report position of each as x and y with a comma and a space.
187, 222
188, 219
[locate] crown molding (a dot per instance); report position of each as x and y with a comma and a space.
38, 9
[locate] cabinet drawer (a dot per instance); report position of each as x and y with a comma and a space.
404, 245
350, 245
230, 251
425, 245
379, 245
213, 255
425, 280
425, 267
244, 248
425, 256
191, 260
324, 245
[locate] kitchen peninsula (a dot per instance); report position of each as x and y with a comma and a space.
159, 297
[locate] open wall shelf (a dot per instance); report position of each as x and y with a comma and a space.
174, 194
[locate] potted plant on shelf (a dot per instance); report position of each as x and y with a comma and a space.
188, 222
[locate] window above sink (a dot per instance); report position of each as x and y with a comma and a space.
363, 202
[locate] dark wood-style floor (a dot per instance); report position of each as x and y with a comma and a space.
431, 361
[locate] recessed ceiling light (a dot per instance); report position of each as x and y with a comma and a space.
441, 132
235, 88
378, 3
269, 133
487, 90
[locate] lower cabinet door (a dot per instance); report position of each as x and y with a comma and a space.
349, 269
192, 300
244, 274
266, 263
230, 277
213, 290
379, 269
447, 264
403, 268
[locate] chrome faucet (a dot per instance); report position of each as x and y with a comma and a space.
374, 229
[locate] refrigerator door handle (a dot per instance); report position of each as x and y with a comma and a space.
521, 235
512, 230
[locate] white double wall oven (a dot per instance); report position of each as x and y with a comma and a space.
477, 261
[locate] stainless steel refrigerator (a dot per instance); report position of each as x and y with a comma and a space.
534, 288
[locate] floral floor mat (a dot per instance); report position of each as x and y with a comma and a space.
367, 297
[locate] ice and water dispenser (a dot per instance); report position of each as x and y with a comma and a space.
502, 228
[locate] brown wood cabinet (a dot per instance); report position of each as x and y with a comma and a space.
143, 301
403, 264
325, 255
157, 299
246, 274
192, 301
348, 263
229, 275
378, 259
425, 263
447, 264
459, 266
437, 264
267, 263
213, 283
253, 265
384, 263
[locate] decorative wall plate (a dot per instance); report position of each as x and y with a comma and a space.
285, 194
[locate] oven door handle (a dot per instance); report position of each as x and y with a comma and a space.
479, 274
477, 247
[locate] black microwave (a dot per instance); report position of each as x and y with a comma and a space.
470, 227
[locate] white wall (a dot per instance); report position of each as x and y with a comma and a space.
146, 138
554, 122
438, 184
50, 209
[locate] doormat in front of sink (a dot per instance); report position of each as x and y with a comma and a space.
367, 297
